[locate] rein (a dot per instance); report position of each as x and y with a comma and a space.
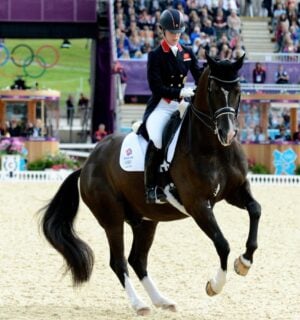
200, 114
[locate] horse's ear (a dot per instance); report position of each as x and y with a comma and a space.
239, 62
210, 60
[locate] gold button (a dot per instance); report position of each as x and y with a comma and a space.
179, 85
172, 76
181, 75
171, 85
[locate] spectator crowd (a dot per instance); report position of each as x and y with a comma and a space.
285, 26
212, 26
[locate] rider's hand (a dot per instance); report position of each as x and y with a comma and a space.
186, 92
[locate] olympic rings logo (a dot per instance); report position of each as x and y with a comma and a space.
23, 56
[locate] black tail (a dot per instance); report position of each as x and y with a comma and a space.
57, 225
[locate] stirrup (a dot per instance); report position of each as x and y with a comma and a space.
155, 195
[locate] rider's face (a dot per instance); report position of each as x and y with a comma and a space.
172, 38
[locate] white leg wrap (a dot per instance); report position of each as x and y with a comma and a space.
156, 297
136, 302
245, 262
218, 282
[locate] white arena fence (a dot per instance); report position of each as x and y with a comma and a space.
60, 175
34, 176
275, 57
272, 179
75, 149
270, 87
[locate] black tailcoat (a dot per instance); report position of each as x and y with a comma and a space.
167, 73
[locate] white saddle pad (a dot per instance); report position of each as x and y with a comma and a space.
133, 150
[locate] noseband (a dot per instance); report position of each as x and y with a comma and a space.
220, 112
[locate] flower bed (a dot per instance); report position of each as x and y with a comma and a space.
13, 146
56, 162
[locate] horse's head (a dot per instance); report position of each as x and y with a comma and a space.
224, 97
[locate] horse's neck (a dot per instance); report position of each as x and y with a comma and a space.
197, 135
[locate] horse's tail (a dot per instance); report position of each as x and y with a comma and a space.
57, 226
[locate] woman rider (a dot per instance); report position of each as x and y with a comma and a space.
167, 69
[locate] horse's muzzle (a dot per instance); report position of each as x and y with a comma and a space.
226, 138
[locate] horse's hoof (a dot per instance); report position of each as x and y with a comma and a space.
209, 289
145, 311
240, 268
169, 307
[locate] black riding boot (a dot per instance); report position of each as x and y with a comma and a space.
153, 193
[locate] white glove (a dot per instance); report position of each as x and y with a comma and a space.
186, 92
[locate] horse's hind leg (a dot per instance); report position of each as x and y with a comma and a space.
109, 212
143, 235
243, 199
119, 266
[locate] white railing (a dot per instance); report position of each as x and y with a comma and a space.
74, 149
35, 176
60, 175
270, 87
263, 87
270, 179
77, 145
274, 57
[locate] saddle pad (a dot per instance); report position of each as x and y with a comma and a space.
133, 150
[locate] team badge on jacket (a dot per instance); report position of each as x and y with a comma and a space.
186, 57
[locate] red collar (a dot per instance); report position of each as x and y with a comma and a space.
166, 48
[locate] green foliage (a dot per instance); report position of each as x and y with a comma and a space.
258, 168
59, 161
38, 165
297, 171
69, 76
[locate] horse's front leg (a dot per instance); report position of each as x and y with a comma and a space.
206, 220
243, 199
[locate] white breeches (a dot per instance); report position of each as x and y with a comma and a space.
158, 119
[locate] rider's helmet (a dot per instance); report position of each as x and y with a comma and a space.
172, 20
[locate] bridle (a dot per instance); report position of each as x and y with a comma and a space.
227, 110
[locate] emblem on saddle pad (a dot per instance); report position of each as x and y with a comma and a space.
128, 152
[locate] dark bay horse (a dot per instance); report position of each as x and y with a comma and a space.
208, 166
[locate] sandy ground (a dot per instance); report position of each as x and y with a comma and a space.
181, 261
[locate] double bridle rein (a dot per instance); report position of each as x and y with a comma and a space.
212, 118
